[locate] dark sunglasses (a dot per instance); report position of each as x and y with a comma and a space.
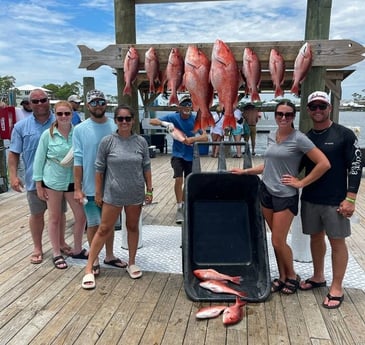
124, 118
321, 106
37, 101
287, 115
100, 102
60, 113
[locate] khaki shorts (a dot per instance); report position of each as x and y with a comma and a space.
316, 218
37, 206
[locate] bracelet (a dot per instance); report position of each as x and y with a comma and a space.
350, 200
149, 193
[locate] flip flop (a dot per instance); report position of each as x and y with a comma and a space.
88, 282
36, 259
116, 263
134, 271
333, 298
82, 255
277, 285
96, 270
313, 285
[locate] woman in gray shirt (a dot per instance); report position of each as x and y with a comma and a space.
280, 185
123, 179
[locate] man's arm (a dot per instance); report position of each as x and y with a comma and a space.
13, 161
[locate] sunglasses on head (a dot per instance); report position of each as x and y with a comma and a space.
320, 106
124, 118
100, 102
60, 113
37, 101
287, 115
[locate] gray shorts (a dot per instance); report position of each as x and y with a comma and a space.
316, 218
37, 206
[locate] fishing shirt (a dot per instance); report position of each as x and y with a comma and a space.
24, 140
123, 161
179, 149
49, 154
85, 140
341, 147
284, 158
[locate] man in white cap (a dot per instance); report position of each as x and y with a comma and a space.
75, 102
328, 203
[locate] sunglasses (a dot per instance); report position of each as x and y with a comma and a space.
124, 118
60, 113
287, 115
37, 101
321, 106
100, 102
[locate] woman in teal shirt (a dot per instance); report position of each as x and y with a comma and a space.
54, 180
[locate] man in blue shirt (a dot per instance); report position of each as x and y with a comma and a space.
75, 102
24, 141
182, 152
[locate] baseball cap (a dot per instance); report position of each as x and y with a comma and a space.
74, 98
319, 96
94, 94
185, 102
24, 100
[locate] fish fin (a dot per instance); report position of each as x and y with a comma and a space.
197, 126
295, 90
279, 92
173, 100
255, 97
127, 90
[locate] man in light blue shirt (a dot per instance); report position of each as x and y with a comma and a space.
86, 138
24, 141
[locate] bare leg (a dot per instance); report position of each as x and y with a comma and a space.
179, 181
133, 213
36, 225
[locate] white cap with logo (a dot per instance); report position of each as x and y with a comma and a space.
319, 96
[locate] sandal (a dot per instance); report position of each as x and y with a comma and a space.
291, 286
116, 263
82, 255
88, 282
277, 285
59, 262
36, 259
96, 270
312, 285
134, 271
339, 299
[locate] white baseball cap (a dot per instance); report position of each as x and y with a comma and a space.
319, 96
74, 98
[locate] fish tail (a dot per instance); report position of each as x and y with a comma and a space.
207, 121
255, 97
237, 280
295, 89
173, 100
279, 92
229, 121
127, 90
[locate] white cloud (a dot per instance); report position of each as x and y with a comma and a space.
38, 41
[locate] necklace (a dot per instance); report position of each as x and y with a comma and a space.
321, 131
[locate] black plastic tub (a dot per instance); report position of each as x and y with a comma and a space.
224, 230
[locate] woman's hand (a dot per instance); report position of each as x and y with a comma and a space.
292, 181
148, 198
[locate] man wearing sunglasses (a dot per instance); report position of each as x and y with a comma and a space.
75, 103
328, 202
86, 138
24, 141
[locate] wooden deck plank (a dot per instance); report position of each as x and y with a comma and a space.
42, 305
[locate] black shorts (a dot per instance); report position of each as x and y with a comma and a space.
70, 188
278, 204
181, 167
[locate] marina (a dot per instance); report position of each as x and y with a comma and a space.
42, 305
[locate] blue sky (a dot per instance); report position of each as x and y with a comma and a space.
38, 39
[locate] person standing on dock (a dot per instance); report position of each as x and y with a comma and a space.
75, 102
328, 203
182, 152
85, 140
24, 141
252, 116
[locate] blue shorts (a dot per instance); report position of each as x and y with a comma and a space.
92, 212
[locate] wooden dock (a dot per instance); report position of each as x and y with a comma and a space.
42, 305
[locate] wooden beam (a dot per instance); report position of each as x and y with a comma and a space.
327, 53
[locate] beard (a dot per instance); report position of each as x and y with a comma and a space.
97, 113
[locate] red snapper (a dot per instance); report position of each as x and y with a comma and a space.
302, 64
152, 68
234, 313
277, 71
131, 62
210, 274
252, 73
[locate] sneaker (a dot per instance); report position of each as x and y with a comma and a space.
179, 216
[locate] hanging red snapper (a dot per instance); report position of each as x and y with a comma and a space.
277, 71
302, 64
220, 287
252, 73
196, 81
174, 75
210, 312
234, 313
152, 68
131, 62
210, 274
224, 76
